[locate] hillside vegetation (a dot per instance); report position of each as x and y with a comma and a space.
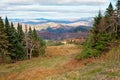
59, 64
41, 67
105, 32
106, 67
16, 44
98, 58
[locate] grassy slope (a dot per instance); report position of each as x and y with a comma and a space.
39, 68
59, 65
105, 68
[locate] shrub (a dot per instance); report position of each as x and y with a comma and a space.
86, 53
92, 49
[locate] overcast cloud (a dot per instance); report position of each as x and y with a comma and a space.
51, 8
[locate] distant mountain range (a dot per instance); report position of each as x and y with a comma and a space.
65, 32
44, 21
66, 29
55, 29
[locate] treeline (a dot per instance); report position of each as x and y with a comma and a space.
16, 44
106, 30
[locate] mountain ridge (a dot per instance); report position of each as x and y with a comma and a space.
58, 29
65, 32
44, 20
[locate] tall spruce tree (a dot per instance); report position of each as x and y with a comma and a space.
30, 33
7, 26
118, 5
109, 10
20, 32
39, 49
8, 32
118, 16
97, 20
34, 33
3, 41
18, 52
101, 34
15, 48
95, 29
93, 45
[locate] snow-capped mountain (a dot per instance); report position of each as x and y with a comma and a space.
42, 23
58, 29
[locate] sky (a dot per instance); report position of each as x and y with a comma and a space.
52, 9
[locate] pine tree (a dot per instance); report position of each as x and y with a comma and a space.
17, 52
118, 5
39, 49
93, 44
7, 26
3, 41
20, 33
109, 10
34, 33
103, 33
9, 35
30, 33
15, 48
97, 20
8, 32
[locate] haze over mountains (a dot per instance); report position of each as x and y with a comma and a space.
53, 22
55, 29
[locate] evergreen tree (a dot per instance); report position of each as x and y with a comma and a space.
7, 26
109, 11
102, 33
39, 49
9, 32
17, 52
20, 33
97, 20
34, 34
15, 48
3, 41
118, 5
30, 33
95, 42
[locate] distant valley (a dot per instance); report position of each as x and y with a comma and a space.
65, 32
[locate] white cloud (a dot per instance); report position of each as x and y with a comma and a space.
50, 8
56, 2
40, 8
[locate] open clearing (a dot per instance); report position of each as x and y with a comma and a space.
41, 67
59, 64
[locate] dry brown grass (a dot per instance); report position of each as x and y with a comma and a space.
37, 69
62, 50
106, 67
60, 65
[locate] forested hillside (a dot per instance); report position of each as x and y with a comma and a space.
104, 34
65, 32
17, 45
